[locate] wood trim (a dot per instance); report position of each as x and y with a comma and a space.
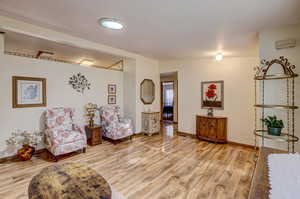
228, 142
15, 157
185, 134
243, 145
118, 62
15, 91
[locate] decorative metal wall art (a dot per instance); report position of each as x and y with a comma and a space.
79, 82
287, 69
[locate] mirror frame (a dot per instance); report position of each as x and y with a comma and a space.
141, 97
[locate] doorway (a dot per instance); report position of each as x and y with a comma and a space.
169, 97
168, 101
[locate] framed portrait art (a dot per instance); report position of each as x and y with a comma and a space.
28, 92
112, 99
112, 89
212, 94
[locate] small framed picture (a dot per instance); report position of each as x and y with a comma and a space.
112, 89
28, 92
112, 99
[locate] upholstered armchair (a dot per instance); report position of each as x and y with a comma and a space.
113, 126
62, 136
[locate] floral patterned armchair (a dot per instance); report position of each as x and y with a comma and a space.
62, 135
114, 127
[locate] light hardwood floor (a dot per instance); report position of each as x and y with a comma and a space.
161, 166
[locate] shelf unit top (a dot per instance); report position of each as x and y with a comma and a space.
277, 76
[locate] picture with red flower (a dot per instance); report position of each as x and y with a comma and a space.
212, 94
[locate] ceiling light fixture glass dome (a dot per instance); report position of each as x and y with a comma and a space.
111, 23
219, 57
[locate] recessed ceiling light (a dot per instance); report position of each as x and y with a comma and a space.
111, 23
219, 57
86, 62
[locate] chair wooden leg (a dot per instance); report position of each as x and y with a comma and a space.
131, 137
84, 150
55, 158
114, 142
51, 156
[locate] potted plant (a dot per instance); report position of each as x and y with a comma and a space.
274, 126
29, 142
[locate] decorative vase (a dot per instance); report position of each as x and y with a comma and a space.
274, 131
26, 152
210, 112
91, 122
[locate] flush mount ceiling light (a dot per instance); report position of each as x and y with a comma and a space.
86, 62
219, 57
111, 23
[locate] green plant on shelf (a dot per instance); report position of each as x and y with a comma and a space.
274, 125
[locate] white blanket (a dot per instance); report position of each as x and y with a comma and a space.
115, 194
284, 176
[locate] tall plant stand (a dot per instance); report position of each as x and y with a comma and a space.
288, 76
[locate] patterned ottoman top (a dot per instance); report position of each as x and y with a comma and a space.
69, 181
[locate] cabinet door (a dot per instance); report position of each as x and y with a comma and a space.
212, 128
222, 130
203, 130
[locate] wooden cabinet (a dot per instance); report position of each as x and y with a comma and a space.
211, 128
94, 135
150, 122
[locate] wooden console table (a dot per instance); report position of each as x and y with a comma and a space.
211, 128
260, 186
94, 135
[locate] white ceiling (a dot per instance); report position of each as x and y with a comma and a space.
163, 29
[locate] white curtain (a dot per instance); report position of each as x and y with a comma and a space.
169, 96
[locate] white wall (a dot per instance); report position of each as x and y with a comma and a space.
237, 74
276, 90
146, 69
130, 90
59, 93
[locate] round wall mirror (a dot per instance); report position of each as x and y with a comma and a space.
147, 91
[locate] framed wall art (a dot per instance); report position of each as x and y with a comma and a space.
112, 99
112, 89
212, 94
28, 92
